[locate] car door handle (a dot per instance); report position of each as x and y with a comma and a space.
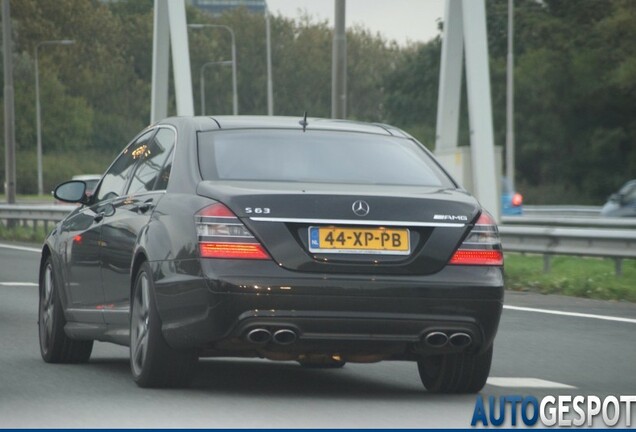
98, 217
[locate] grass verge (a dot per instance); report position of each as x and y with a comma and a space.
573, 276
23, 234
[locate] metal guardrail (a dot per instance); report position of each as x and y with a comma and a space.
33, 215
571, 221
617, 242
569, 230
561, 210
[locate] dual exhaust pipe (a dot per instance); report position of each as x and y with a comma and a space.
262, 336
439, 339
286, 336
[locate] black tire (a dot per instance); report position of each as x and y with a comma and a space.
152, 362
55, 346
455, 373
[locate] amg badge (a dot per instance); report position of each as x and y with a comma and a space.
450, 217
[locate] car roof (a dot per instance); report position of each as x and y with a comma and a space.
281, 122
86, 177
627, 186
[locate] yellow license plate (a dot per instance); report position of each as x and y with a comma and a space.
359, 240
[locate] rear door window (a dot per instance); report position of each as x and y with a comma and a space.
119, 173
149, 172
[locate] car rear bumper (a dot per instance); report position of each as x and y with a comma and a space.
345, 313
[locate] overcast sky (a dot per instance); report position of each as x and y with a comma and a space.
400, 20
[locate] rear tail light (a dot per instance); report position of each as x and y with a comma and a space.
222, 235
517, 199
482, 246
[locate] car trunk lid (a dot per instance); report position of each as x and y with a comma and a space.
328, 227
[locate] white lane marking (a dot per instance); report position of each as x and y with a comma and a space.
572, 314
19, 284
21, 248
526, 383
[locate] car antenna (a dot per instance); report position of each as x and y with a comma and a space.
303, 122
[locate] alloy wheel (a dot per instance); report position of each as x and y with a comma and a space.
139, 325
47, 308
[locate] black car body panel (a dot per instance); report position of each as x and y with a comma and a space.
292, 211
363, 306
225, 300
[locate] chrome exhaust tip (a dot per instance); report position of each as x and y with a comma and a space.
284, 337
259, 336
436, 339
460, 340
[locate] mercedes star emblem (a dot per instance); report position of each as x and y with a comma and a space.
360, 208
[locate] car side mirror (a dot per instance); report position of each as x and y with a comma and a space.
108, 209
73, 191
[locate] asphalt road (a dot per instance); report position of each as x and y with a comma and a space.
547, 345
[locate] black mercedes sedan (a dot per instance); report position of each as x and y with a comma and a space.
309, 240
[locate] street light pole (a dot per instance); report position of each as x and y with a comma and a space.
234, 90
510, 125
9, 106
339, 64
270, 85
202, 80
234, 86
38, 125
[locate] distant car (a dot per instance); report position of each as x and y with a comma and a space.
91, 181
511, 201
621, 203
323, 242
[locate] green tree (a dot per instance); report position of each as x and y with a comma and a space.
411, 91
574, 90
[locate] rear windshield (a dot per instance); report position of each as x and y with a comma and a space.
316, 157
